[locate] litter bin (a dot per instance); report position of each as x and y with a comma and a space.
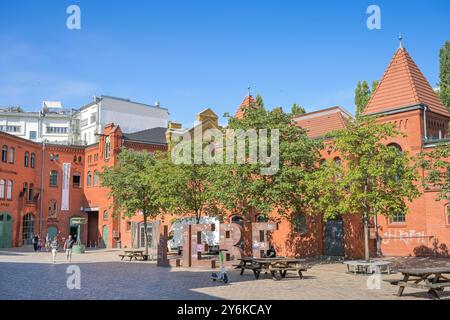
119, 244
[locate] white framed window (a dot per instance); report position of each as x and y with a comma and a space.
9, 190
2, 189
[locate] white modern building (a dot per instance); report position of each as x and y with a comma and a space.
51, 124
57, 125
129, 115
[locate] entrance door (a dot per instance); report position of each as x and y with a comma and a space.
142, 234
28, 229
334, 238
105, 236
5, 230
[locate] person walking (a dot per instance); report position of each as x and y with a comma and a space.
68, 244
35, 242
54, 247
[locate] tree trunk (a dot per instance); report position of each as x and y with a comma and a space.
366, 237
146, 236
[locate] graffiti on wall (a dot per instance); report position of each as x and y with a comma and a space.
405, 236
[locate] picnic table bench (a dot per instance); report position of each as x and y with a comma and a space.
431, 279
362, 266
272, 265
136, 254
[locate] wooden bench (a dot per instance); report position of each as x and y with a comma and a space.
430, 279
133, 254
283, 270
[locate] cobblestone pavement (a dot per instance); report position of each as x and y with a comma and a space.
29, 275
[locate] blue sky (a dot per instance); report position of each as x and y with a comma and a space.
190, 55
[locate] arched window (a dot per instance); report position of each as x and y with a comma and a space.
2, 189
88, 179
105, 215
75, 159
79, 159
26, 159
52, 209
4, 153
395, 145
11, 155
9, 190
30, 192
53, 178
398, 151
28, 229
96, 178
300, 223
261, 218
237, 219
107, 147
25, 190
32, 160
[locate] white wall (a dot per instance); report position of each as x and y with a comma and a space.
131, 116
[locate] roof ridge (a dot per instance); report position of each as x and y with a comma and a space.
408, 70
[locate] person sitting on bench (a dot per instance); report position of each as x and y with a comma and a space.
271, 253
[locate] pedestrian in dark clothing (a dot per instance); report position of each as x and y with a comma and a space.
35, 243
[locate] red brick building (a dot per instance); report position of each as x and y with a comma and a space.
44, 186
31, 181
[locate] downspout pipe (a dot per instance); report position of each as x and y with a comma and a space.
425, 133
42, 188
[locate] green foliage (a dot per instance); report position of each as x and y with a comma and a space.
133, 187
444, 74
187, 187
373, 177
259, 101
241, 188
297, 110
362, 95
436, 164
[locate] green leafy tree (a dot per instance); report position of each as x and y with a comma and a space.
243, 189
297, 110
444, 74
187, 187
373, 178
363, 94
436, 164
259, 101
133, 188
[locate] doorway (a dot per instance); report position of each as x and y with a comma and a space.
28, 229
334, 237
105, 237
5, 230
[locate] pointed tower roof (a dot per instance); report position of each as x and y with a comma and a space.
247, 102
402, 85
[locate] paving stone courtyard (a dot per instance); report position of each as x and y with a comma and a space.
28, 275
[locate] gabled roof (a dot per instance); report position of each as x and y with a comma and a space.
248, 101
318, 123
402, 85
154, 135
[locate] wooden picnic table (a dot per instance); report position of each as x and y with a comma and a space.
431, 279
373, 266
133, 254
272, 265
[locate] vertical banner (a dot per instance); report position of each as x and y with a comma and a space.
65, 187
